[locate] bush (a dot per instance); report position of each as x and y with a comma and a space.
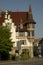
5, 55
24, 56
13, 57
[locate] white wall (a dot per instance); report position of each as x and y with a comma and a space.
13, 30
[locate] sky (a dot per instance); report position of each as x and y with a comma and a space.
23, 5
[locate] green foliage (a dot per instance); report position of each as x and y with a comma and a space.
5, 42
24, 55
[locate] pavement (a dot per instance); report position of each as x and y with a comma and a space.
33, 61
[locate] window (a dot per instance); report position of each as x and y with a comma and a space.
21, 25
21, 34
33, 26
30, 33
30, 25
23, 41
19, 43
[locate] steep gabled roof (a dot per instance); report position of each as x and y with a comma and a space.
16, 17
2, 14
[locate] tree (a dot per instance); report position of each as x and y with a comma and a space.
5, 42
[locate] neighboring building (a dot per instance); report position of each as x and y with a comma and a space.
36, 41
22, 26
39, 44
36, 47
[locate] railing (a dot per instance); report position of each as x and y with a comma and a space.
30, 37
30, 28
21, 37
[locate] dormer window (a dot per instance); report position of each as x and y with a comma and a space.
21, 24
30, 25
6, 14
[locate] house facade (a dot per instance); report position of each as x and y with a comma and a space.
38, 46
22, 26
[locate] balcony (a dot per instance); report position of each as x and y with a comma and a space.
24, 47
21, 37
31, 29
31, 37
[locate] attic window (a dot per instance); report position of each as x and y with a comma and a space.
30, 25
21, 26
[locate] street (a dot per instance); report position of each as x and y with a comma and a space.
26, 62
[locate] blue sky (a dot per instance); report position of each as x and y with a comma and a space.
23, 5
